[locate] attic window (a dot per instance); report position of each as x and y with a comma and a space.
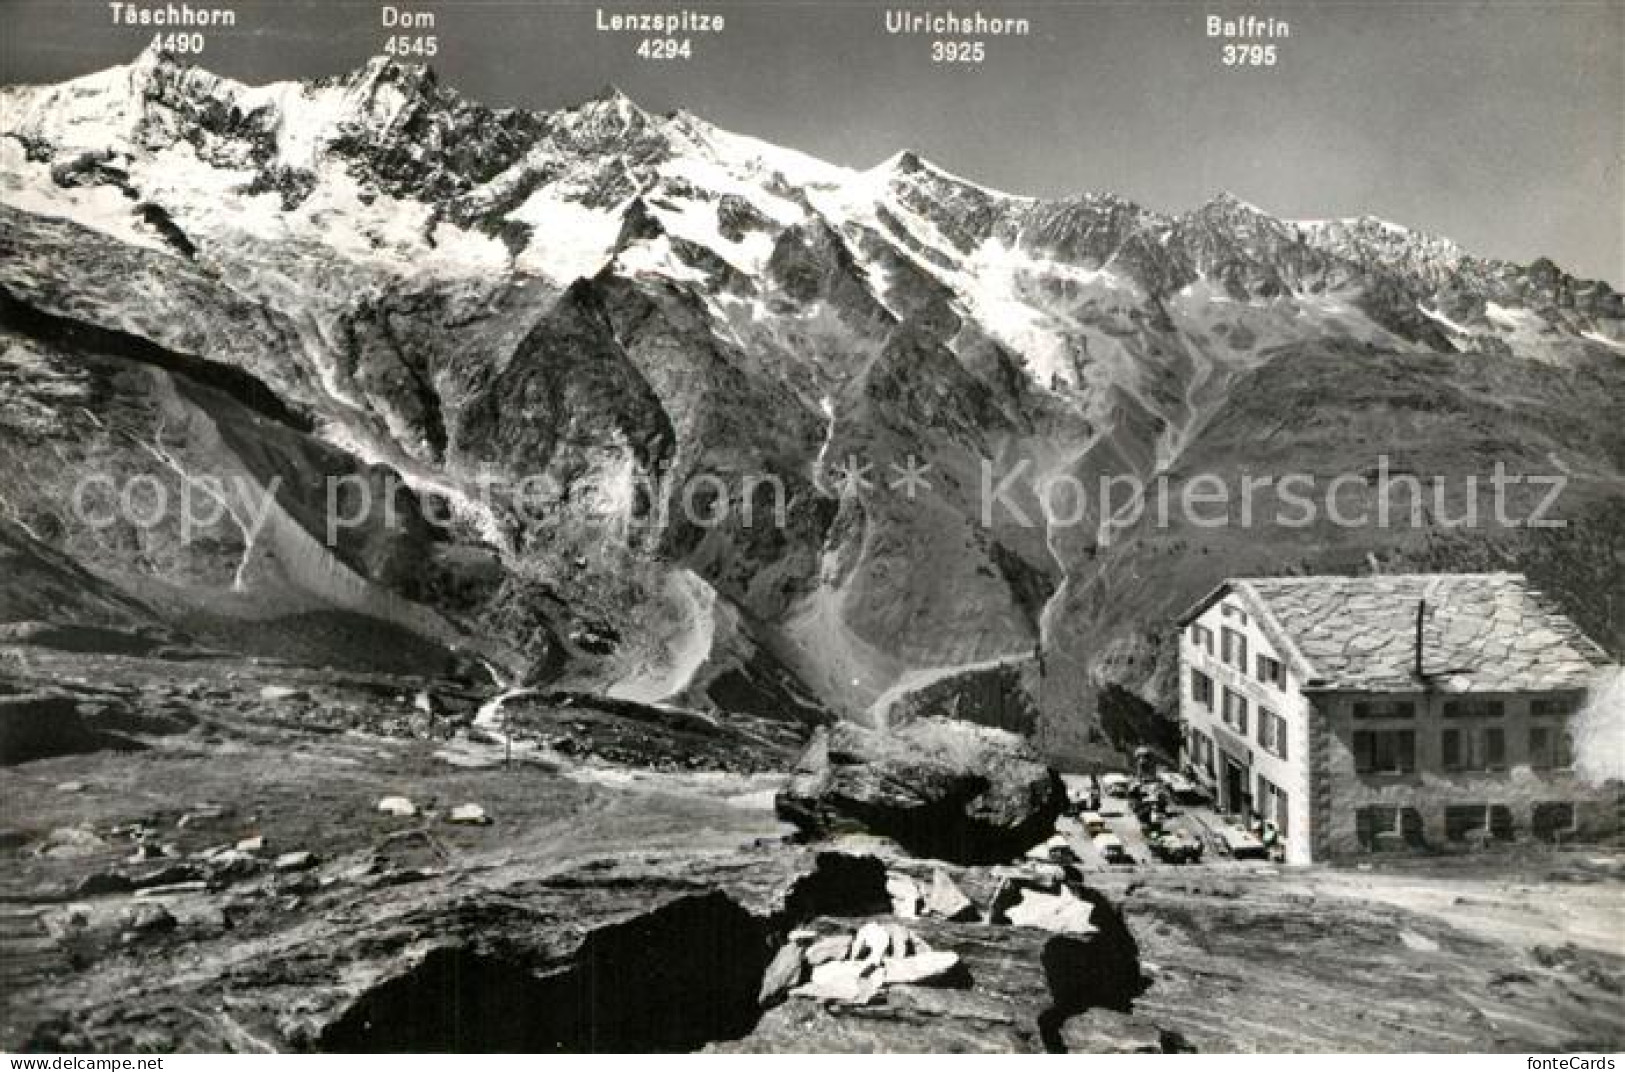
1230, 610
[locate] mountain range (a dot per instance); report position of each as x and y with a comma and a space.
714, 356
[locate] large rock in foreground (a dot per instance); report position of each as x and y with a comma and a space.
939, 788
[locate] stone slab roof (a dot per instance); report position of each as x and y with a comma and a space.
1482, 632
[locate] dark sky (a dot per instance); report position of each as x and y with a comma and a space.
1500, 124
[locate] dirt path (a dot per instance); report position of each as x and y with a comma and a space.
915, 680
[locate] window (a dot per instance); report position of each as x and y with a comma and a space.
1387, 826
1474, 709
1202, 689
1552, 707
1270, 671
1230, 610
1461, 819
1235, 711
1202, 637
1202, 753
1385, 709
1235, 648
1476, 749
1550, 747
1370, 822
1272, 732
1466, 822
1552, 821
1272, 804
1384, 751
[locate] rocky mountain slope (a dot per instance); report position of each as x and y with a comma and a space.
628, 397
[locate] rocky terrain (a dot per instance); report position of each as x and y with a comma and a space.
270, 858
522, 357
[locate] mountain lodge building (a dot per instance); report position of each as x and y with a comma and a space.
1363, 713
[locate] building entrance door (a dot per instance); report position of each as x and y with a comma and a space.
1233, 788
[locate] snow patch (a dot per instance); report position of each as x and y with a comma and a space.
717, 178
1510, 318
657, 257
27, 187
755, 155
1440, 318
570, 241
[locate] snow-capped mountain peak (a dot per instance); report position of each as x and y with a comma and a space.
387, 159
1226, 202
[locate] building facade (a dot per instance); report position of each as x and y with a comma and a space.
1356, 714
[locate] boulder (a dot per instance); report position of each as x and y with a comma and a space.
231, 864
1015, 882
398, 806
469, 815
825, 950
785, 970
926, 969
845, 982
905, 895
295, 861
940, 788
279, 693
871, 944
1059, 913
1102, 1030
947, 901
